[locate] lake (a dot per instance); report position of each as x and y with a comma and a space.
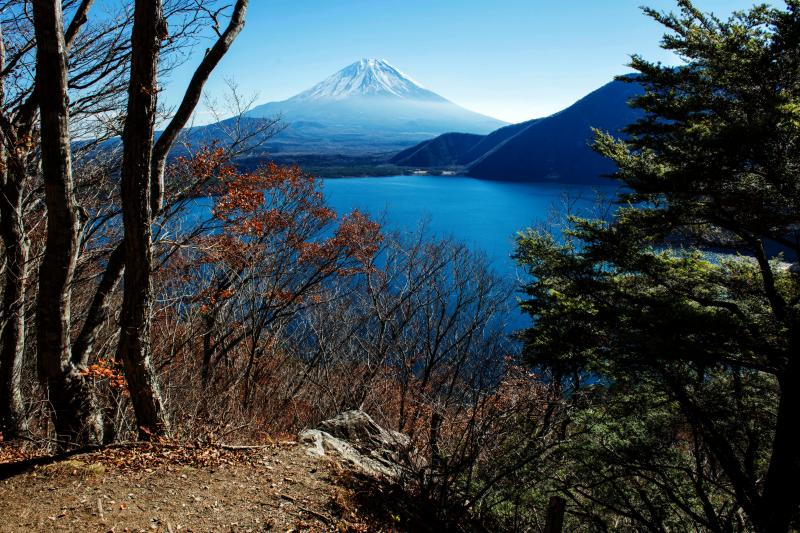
484, 214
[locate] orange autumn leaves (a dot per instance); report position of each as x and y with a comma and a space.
106, 370
357, 237
275, 218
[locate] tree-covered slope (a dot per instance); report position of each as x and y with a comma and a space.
557, 147
444, 150
551, 148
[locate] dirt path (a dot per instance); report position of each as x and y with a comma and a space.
191, 489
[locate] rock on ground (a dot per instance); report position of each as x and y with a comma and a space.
358, 440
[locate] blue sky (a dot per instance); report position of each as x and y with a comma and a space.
511, 59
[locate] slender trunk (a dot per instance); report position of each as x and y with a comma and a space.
75, 414
12, 313
142, 194
781, 497
208, 347
781, 500
12, 332
134, 350
189, 102
99, 308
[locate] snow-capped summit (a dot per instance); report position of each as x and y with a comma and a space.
368, 77
368, 106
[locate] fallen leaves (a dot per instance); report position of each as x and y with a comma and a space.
169, 486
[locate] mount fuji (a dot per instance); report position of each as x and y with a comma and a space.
368, 77
367, 107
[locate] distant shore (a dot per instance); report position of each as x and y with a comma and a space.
346, 165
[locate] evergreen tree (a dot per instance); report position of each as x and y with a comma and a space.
688, 298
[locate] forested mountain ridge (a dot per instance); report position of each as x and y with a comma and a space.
554, 148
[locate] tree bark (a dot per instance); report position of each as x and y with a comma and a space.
99, 308
12, 318
12, 334
134, 350
75, 414
781, 500
190, 100
555, 515
142, 195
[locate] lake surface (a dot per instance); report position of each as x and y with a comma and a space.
485, 215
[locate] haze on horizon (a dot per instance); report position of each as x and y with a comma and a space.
517, 60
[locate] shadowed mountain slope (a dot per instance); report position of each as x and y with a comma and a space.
553, 148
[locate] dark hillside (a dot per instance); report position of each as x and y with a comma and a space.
447, 149
552, 148
558, 147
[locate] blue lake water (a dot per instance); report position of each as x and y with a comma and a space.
485, 215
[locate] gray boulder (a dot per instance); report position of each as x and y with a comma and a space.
358, 440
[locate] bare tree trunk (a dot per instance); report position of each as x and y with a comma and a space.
555, 515
12, 334
208, 347
142, 195
75, 414
12, 319
190, 99
134, 350
99, 308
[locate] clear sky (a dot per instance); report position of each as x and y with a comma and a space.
511, 59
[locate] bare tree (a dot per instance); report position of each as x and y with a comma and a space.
74, 410
97, 56
142, 194
12, 328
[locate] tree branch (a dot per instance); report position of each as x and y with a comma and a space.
189, 102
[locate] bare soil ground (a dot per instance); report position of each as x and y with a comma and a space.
171, 488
